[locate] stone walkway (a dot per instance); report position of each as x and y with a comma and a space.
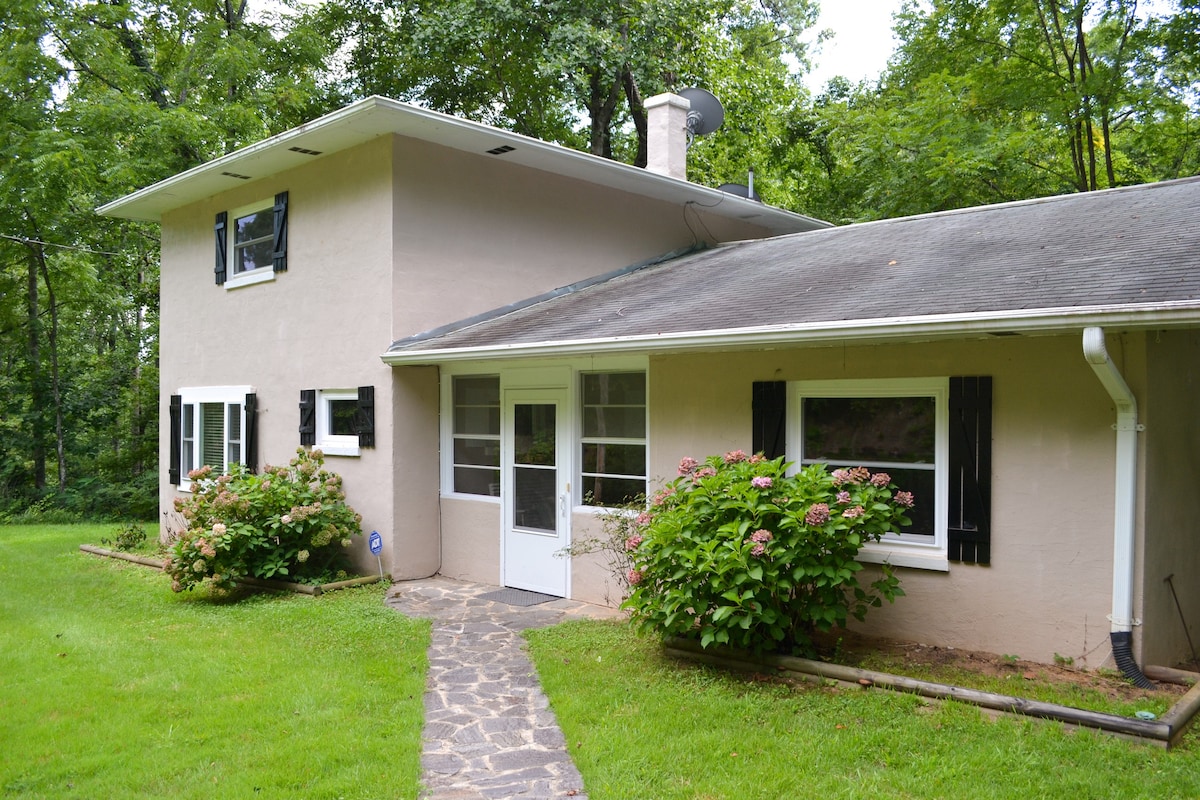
489, 732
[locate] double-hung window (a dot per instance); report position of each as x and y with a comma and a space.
895, 426
211, 426
613, 438
476, 435
251, 242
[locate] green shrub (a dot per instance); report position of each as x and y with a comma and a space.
736, 552
289, 522
130, 536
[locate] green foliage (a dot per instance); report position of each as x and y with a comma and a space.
737, 552
290, 523
128, 537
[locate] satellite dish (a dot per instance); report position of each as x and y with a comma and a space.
706, 113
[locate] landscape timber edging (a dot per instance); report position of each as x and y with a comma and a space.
256, 583
1165, 732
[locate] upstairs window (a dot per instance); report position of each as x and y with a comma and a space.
251, 242
613, 441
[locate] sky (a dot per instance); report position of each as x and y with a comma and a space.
861, 43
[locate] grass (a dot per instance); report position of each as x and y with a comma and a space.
111, 686
642, 726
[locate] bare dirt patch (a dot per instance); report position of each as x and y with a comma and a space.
985, 671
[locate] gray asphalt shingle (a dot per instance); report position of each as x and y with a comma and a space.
1136, 246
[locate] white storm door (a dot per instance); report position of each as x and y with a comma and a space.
536, 496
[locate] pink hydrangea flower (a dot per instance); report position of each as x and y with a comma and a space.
760, 482
661, 496
757, 458
841, 476
687, 464
643, 519
758, 550
632, 543
761, 535
735, 456
904, 499
817, 514
635, 577
881, 479
843, 498
219, 529
853, 513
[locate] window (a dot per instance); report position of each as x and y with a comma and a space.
211, 426
613, 441
476, 434
338, 421
893, 426
251, 242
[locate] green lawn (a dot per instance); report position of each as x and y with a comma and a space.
111, 686
643, 726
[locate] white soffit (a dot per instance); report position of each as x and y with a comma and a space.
379, 116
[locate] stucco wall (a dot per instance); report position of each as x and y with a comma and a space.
475, 232
1171, 415
1048, 588
471, 539
320, 325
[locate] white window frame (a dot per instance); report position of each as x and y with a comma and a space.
581, 439
191, 400
236, 280
901, 550
329, 443
550, 373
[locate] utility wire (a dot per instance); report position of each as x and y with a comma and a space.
27, 240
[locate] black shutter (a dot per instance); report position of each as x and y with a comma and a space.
251, 434
220, 229
770, 418
308, 417
176, 439
970, 470
364, 420
279, 254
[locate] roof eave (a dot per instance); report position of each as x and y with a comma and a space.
378, 116
871, 331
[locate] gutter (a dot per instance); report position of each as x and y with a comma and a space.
1124, 516
912, 328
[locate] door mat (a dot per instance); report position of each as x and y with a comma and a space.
518, 597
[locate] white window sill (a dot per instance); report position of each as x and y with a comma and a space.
260, 275
338, 449
896, 557
486, 498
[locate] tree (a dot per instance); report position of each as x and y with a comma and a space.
1014, 99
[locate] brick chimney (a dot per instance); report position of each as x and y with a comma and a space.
666, 135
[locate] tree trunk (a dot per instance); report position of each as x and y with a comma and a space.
638, 111
37, 401
55, 384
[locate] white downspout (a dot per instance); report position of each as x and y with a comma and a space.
1124, 522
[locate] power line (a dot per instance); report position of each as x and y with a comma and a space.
27, 240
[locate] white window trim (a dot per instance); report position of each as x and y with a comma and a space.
580, 439
556, 373
893, 549
262, 274
328, 443
195, 396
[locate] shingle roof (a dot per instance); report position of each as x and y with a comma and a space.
1124, 251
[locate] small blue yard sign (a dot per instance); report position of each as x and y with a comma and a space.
376, 543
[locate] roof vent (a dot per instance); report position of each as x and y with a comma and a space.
305, 151
236, 175
501, 150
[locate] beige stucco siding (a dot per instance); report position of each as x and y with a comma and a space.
470, 546
474, 232
320, 325
1171, 415
1048, 588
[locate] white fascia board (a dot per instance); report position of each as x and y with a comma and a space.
380, 116
913, 329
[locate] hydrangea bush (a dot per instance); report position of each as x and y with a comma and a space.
734, 551
289, 522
